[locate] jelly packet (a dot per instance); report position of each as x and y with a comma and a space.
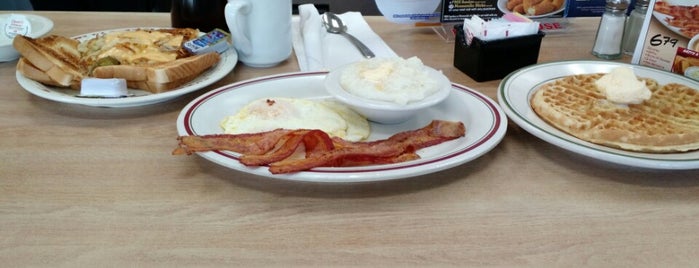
217, 40
17, 24
508, 26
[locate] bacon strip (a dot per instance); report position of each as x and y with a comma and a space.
398, 146
338, 157
275, 148
367, 160
314, 141
253, 143
436, 132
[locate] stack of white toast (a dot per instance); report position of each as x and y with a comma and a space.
143, 58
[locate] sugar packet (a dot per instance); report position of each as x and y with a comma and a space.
508, 26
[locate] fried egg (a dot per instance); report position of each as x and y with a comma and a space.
268, 114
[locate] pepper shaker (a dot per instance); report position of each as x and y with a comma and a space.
633, 26
611, 30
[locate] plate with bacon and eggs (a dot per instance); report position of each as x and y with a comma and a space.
485, 126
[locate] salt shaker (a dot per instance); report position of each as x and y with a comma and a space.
633, 26
611, 30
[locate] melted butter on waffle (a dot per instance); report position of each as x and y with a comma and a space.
667, 122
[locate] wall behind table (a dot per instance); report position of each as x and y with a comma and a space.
366, 7
103, 5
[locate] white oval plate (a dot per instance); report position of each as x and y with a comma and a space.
502, 5
516, 89
140, 97
484, 120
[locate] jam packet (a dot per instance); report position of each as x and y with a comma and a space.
217, 40
508, 26
16, 24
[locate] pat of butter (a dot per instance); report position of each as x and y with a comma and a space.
621, 86
100, 87
378, 74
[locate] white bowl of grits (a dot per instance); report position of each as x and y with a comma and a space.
388, 90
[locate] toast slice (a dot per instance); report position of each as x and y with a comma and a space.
55, 55
162, 77
32, 72
154, 87
184, 67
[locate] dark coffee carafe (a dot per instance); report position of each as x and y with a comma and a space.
204, 15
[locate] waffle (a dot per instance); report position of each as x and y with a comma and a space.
667, 122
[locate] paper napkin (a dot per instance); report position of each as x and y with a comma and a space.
318, 50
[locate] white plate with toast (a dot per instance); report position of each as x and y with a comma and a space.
485, 123
515, 91
228, 61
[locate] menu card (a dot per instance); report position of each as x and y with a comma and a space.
584, 8
551, 19
668, 38
458, 10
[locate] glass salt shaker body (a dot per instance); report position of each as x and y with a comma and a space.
611, 30
633, 26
